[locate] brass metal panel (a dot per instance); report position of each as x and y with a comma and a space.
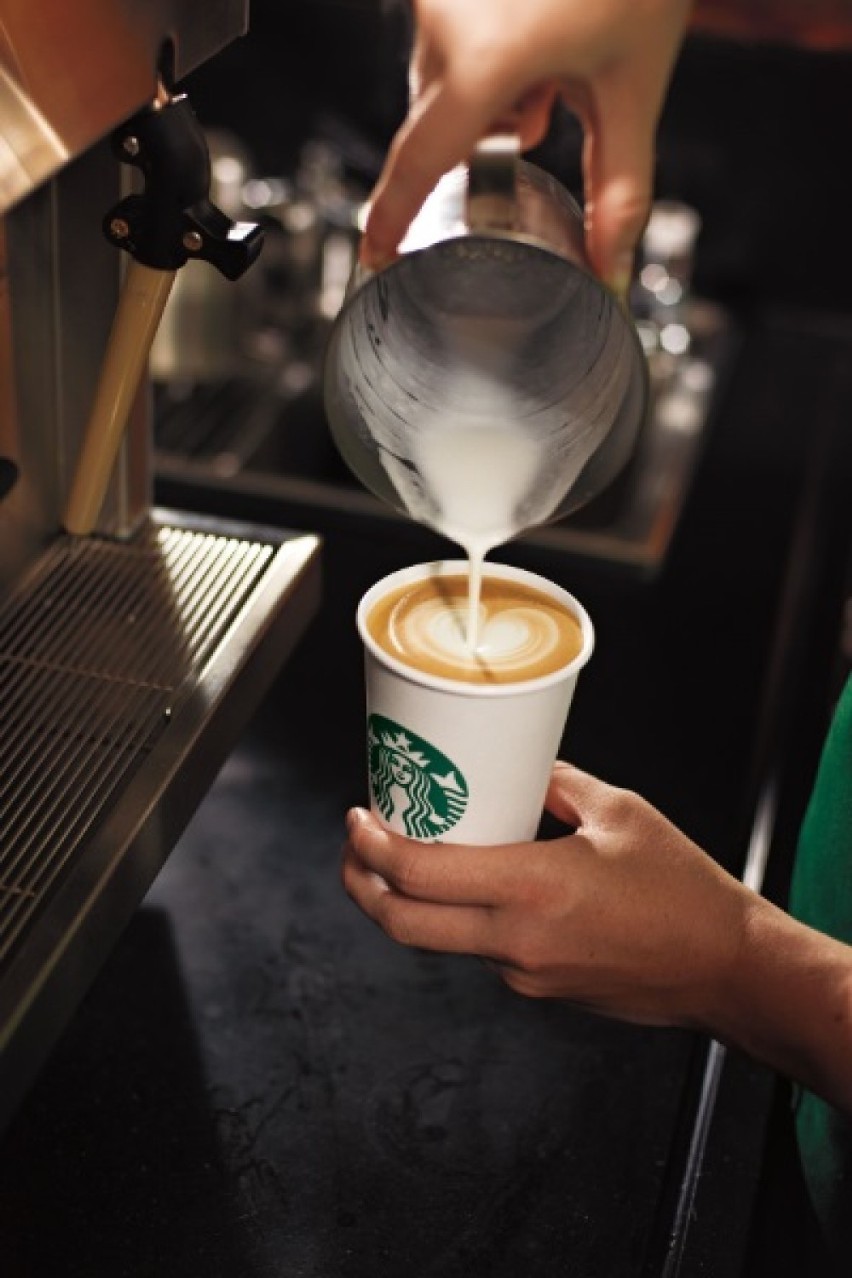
61, 284
69, 73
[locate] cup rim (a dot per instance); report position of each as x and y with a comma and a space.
460, 687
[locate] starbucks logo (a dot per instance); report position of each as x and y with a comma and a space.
412, 781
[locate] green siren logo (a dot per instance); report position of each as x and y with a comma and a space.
412, 781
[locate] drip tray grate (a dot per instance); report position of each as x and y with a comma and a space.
92, 652
110, 654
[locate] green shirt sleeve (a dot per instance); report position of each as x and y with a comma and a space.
821, 891
821, 896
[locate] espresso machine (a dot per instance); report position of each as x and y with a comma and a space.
135, 641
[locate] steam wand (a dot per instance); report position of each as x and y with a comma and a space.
171, 221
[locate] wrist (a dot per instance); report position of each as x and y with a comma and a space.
786, 999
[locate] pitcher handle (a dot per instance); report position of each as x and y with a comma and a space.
492, 195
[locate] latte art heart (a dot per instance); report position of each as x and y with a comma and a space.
522, 632
510, 636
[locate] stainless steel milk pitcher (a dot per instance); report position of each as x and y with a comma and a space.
486, 381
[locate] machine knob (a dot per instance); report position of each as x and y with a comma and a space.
173, 219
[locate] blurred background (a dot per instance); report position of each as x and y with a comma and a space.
749, 214
751, 134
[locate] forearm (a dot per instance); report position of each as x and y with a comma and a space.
788, 1002
821, 24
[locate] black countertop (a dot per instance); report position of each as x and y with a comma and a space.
260, 1083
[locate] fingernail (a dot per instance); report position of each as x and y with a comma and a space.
622, 277
354, 818
374, 258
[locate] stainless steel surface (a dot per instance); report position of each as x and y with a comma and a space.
264, 432
126, 672
491, 333
253, 438
69, 73
128, 662
61, 289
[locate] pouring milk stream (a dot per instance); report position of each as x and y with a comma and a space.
486, 382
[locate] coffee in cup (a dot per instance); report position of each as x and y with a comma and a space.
522, 633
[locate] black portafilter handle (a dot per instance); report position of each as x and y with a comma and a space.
173, 219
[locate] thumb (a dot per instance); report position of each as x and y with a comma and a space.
570, 794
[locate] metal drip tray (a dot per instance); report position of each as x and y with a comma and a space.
127, 669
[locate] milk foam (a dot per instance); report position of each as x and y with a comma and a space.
513, 636
481, 475
480, 471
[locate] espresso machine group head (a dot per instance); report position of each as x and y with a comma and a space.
134, 641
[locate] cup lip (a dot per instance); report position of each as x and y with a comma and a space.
364, 277
460, 687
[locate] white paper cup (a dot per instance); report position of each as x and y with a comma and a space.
462, 762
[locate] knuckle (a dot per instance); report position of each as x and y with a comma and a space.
521, 983
392, 920
528, 954
466, 85
408, 874
622, 806
347, 876
483, 75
